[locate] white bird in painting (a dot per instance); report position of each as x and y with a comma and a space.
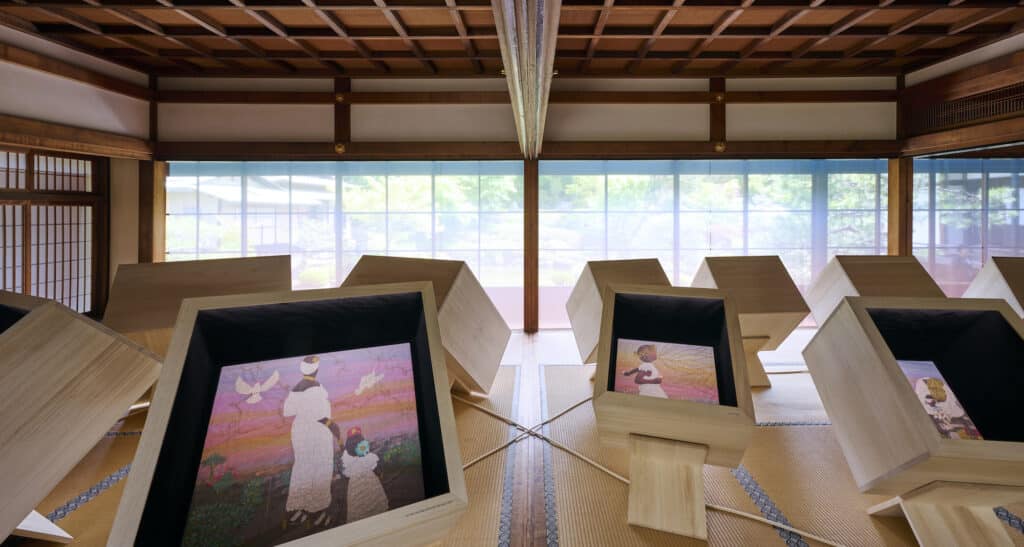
367, 382
254, 390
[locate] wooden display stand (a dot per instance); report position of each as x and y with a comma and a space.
586, 300
768, 302
950, 513
890, 442
473, 332
862, 275
417, 523
64, 381
1000, 277
13, 308
668, 441
145, 298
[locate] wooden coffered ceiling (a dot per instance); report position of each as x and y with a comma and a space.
459, 38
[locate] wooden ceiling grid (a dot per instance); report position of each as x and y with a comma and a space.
458, 37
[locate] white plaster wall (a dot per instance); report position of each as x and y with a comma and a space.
246, 84
429, 84
43, 96
410, 123
630, 84
124, 213
811, 84
745, 122
68, 55
246, 122
618, 122
1010, 45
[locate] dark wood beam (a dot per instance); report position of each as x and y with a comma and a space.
17, 131
342, 112
467, 43
268, 151
342, 32
987, 134
36, 61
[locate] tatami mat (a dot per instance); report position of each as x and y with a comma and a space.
85, 502
793, 472
485, 481
591, 505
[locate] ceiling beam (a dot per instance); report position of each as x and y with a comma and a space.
339, 28
632, 5
396, 23
666, 18
602, 21
467, 43
527, 34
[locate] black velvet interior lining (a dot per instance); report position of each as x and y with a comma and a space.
676, 320
978, 353
243, 335
9, 316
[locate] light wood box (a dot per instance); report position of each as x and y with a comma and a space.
587, 298
1000, 277
668, 441
145, 298
725, 430
473, 332
419, 523
64, 381
865, 275
768, 302
890, 442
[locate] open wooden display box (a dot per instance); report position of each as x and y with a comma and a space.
473, 332
868, 275
891, 443
1000, 277
767, 300
145, 298
218, 340
64, 381
586, 300
669, 440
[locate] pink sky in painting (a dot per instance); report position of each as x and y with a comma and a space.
256, 438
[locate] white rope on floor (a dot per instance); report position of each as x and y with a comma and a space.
532, 431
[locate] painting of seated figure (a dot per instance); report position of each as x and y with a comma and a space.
300, 445
939, 401
669, 371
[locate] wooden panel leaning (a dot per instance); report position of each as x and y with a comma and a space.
671, 394
145, 298
64, 381
865, 275
587, 298
1000, 277
768, 302
317, 383
922, 391
473, 332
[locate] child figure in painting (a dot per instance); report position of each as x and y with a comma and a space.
314, 436
366, 495
942, 405
648, 379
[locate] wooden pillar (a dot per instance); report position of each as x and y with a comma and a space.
901, 189
342, 115
152, 210
531, 246
717, 132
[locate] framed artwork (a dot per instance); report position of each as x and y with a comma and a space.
671, 366
305, 418
938, 400
670, 371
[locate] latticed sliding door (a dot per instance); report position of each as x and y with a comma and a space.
49, 224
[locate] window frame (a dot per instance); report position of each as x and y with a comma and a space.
98, 198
